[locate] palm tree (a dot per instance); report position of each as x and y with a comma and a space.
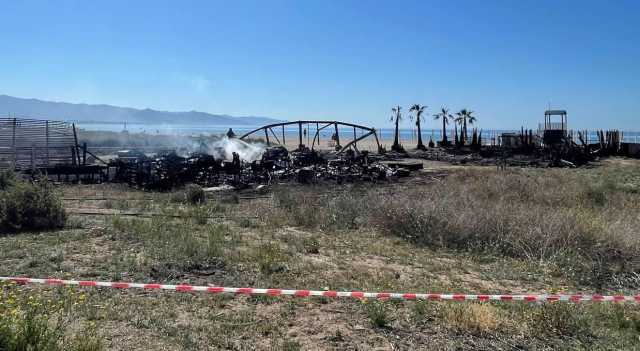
462, 120
418, 109
464, 116
397, 116
445, 116
470, 119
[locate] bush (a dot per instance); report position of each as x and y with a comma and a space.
25, 205
7, 179
378, 313
194, 194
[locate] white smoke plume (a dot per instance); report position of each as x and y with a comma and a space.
225, 147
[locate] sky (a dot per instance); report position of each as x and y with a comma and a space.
506, 60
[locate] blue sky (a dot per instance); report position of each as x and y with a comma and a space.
347, 60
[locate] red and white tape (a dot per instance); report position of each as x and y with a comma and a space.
334, 294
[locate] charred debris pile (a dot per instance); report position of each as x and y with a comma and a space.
530, 149
168, 170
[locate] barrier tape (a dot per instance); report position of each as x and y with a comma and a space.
334, 294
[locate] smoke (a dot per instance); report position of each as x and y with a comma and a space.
225, 147
220, 147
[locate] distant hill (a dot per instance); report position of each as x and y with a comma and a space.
84, 113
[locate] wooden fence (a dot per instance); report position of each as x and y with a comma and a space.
31, 143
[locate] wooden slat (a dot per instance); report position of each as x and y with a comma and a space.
24, 141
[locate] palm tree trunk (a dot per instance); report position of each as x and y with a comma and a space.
420, 146
444, 131
395, 140
464, 130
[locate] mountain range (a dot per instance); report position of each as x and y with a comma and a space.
84, 113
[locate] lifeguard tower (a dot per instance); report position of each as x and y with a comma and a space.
554, 131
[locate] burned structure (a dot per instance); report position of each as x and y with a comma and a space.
277, 164
29, 144
270, 135
51, 148
47, 147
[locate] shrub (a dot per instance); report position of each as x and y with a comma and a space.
7, 179
25, 205
378, 313
194, 194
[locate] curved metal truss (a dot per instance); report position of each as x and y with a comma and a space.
320, 125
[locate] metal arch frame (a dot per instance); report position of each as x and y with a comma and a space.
268, 128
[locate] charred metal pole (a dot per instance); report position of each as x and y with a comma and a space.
266, 134
354, 137
337, 135
355, 141
274, 135
284, 143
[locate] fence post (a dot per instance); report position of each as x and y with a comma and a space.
84, 154
13, 144
46, 127
33, 159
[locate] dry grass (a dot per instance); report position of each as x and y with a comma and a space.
584, 223
471, 232
471, 318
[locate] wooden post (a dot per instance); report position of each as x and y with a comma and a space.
13, 144
33, 159
75, 139
73, 156
84, 154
